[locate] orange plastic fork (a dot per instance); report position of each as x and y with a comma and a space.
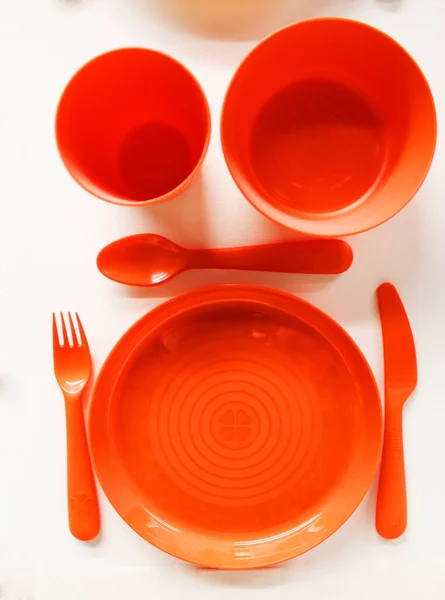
72, 366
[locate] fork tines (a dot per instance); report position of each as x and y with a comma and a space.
60, 335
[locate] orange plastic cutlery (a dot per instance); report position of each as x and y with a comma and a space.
72, 367
150, 259
400, 382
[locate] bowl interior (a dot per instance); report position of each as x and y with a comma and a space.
235, 426
337, 134
132, 125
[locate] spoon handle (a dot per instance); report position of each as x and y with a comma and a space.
328, 257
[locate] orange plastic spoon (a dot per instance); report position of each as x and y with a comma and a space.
400, 382
150, 259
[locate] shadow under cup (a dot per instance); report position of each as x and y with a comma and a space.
133, 126
329, 127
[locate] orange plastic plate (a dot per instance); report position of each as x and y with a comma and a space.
235, 427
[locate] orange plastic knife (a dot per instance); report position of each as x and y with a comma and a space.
400, 381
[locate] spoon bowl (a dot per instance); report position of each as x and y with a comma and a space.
142, 260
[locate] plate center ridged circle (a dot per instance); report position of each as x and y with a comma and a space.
233, 428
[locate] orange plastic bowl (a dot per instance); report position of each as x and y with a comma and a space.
235, 427
133, 127
329, 127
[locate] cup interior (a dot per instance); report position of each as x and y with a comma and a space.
132, 126
336, 134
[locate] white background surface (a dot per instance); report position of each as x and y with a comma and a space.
51, 230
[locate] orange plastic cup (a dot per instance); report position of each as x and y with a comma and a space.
133, 127
329, 127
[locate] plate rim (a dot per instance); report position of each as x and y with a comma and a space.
157, 318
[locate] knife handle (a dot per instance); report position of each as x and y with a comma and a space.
391, 512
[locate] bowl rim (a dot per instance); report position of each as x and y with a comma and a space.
313, 226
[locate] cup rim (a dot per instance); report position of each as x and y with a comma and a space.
179, 189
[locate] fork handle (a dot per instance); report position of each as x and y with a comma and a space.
83, 507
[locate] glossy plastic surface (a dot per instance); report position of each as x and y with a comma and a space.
133, 126
72, 367
235, 427
150, 259
400, 382
329, 127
